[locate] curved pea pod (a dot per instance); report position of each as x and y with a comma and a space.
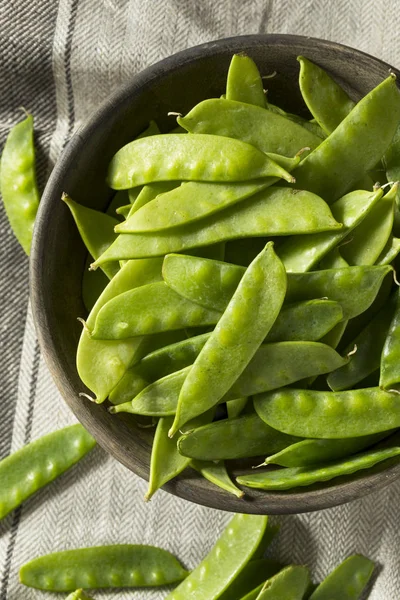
329, 415
223, 564
188, 203
102, 363
189, 158
368, 346
40, 462
96, 230
147, 310
236, 338
217, 474
235, 407
264, 129
326, 100
333, 260
389, 252
273, 211
243, 437
124, 210
18, 181
301, 253
244, 82
389, 376
368, 240
150, 192
285, 479
355, 146
254, 573
347, 581
315, 452
123, 565
289, 584
79, 595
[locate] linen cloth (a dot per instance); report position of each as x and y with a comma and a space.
60, 59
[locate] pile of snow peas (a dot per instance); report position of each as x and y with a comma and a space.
234, 569
242, 294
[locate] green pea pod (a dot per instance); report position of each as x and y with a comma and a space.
238, 334
367, 347
150, 192
289, 584
101, 364
40, 462
389, 376
300, 254
315, 452
333, 260
189, 158
329, 415
273, 211
244, 82
96, 230
347, 581
147, 310
188, 203
285, 479
326, 100
124, 210
254, 573
243, 437
212, 283
243, 250
124, 565
235, 407
264, 372
355, 146
79, 595
368, 240
18, 181
310, 125
166, 462
217, 474
223, 564
390, 251
264, 129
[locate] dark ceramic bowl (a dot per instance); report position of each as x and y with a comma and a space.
58, 255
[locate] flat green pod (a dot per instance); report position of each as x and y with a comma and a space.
347, 581
291, 583
149, 192
216, 473
264, 129
389, 375
244, 82
273, 211
329, 415
389, 252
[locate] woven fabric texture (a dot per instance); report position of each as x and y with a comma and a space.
60, 59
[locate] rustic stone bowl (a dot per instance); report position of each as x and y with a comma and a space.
58, 255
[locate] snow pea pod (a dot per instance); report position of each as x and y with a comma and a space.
355, 146
40, 462
217, 474
244, 82
315, 452
285, 479
368, 240
235, 407
150, 192
389, 375
254, 573
329, 415
123, 565
102, 363
97, 231
189, 158
238, 334
224, 562
147, 310
390, 251
243, 437
124, 210
188, 203
347, 581
264, 129
300, 254
369, 344
289, 584
273, 211
18, 181
333, 260
326, 100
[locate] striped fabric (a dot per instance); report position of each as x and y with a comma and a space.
60, 59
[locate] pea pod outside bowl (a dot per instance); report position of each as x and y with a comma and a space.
55, 276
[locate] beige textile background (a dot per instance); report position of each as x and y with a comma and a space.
60, 59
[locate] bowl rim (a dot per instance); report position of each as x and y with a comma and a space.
275, 502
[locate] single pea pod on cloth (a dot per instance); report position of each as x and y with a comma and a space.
18, 185
40, 462
117, 566
347, 581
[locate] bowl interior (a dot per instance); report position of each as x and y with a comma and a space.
58, 255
